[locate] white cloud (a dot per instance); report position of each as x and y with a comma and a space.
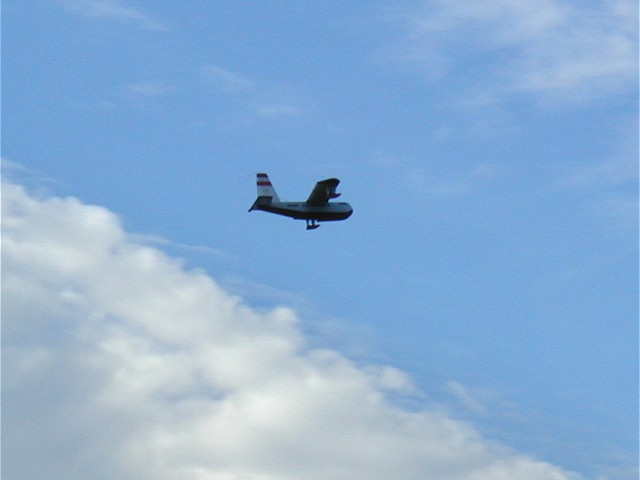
569, 51
119, 363
114, 10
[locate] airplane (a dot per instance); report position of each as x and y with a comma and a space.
316, 208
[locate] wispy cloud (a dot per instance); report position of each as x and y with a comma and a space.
160, 241
114, 10
468, 399
9, 167
227, 80
150, 89
119, 363
267, 101
19, 173
609, 173
460, 185
278, 111
570, 51
464, 183
611, 183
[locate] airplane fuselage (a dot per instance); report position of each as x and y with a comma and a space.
305, 211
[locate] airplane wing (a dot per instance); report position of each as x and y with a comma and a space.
324, 191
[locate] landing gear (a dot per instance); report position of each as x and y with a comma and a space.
311, 224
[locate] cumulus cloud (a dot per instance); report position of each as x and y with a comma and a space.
549, 47
118, 362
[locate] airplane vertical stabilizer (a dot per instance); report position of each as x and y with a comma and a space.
265, 189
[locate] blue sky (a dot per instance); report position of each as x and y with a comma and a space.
489, 151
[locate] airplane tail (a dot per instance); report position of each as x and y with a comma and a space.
265, 189
266, 192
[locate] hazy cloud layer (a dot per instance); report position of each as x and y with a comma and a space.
120, 363
567, 50
114, 10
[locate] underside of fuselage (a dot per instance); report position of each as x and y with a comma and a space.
304, 211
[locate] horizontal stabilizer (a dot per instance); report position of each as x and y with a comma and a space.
261, 201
